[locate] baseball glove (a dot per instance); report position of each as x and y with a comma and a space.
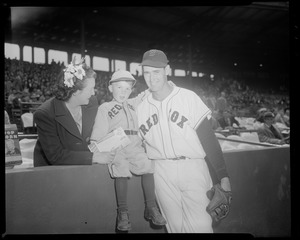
218, 207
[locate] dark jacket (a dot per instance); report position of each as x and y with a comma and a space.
265, 134
224, 124
59, 140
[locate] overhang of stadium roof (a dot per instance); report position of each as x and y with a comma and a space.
193, 37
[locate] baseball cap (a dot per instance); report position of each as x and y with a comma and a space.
122, 75
268, 114
154, 58
261, 110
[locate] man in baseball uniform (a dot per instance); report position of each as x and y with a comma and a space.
174, 125
120, 112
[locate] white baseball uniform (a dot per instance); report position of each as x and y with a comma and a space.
132, 158
181, 174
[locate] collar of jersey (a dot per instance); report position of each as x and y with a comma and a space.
156, 102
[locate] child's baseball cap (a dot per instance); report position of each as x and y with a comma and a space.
155, 58
122, 75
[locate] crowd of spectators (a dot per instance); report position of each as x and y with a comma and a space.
31, 82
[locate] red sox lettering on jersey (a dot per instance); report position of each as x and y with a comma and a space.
168, 126
153, 120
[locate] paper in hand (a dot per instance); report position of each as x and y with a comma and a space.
111, 141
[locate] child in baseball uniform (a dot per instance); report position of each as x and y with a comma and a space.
120, 112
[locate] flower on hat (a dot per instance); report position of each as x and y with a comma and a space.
79, 73
72, 70
69, 79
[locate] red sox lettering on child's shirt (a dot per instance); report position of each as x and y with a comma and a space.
116, 109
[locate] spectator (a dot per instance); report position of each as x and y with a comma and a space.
260, 115
269, 133
227, 121
11, 96
286, 116
281, 117
25, 97
215, 124
246, 99
65, 122
221, 104
17, 100
8, 84
17, 83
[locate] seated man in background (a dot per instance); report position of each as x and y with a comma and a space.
281, 118
269, 132
215, 124
227, 121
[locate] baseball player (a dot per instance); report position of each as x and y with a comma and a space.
173, 123
120, 112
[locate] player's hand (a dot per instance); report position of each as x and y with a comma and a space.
225, 184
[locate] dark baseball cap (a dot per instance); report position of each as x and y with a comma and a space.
155, 58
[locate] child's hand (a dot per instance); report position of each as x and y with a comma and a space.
104, 157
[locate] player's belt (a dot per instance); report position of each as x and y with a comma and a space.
177, 158
130, 132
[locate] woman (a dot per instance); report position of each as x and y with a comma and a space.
65, 122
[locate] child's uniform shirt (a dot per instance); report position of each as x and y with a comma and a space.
112, 115
132, 158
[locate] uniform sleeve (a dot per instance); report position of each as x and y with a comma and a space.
199, 111
139, 98
101, 125
212, 148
